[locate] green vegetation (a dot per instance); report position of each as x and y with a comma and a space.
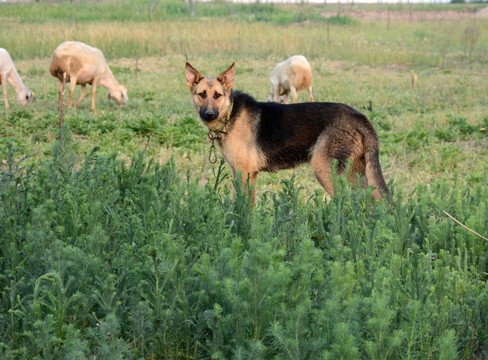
118, 240
137, 261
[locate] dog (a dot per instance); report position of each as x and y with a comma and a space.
267, 136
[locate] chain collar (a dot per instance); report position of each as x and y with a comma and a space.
216, 133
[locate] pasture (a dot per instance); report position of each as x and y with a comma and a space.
119, 240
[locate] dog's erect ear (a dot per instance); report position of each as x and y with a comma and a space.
227, 77
193, 76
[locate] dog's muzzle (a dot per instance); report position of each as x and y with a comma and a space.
208, 115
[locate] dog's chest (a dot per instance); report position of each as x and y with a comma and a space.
239, 147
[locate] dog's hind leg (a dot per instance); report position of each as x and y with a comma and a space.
323, 171
346, 147
322, 164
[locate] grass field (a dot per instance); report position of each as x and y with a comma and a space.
343, 282
358, 63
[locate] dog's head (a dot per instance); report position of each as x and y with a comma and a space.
210, 96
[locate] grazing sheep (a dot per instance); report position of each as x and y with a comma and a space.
8, 73
83, 65
291, 75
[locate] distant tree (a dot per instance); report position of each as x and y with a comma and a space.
192, 6
230, 8
151, 6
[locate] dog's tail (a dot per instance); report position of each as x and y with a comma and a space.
374, 175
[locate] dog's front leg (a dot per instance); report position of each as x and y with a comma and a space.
252, 176
248, 182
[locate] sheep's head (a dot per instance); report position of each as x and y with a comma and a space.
25, 97
281, 99
119, 95
273, 96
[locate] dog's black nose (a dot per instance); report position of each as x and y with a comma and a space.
209, 115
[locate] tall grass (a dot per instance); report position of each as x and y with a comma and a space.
418, 44
368, 42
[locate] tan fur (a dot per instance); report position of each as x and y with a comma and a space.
84, 65
291, 76
324, 153
239, 147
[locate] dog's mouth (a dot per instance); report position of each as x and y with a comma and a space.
208, 115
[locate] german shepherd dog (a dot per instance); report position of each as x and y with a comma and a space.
259, 136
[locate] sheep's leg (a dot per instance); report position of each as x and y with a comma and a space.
3, 80
71, 89
294, 93
310, 96
276, 93
286, 98
60, 91
94, 93
83, 94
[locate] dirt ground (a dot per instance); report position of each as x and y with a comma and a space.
409, 15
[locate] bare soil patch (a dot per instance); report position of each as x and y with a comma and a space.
483, 13
409, 15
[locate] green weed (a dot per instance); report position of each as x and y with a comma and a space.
154, 265
340, 20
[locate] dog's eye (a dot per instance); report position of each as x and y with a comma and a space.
203, 94
217, 95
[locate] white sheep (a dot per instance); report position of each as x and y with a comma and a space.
8, 73
84, 64
291, 75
